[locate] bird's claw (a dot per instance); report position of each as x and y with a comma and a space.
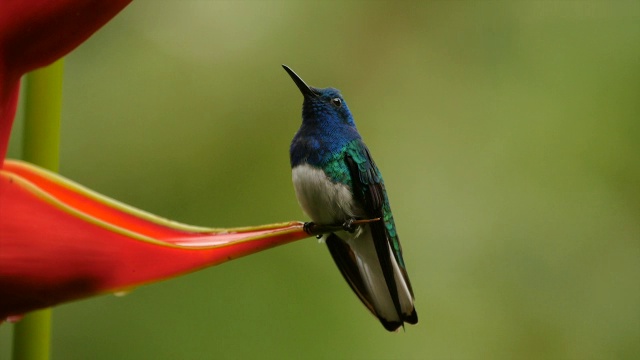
348, 226
308, 227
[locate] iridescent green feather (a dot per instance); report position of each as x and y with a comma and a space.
336, 168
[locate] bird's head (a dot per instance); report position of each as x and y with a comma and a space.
322, 107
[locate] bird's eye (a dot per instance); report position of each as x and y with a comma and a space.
337, 102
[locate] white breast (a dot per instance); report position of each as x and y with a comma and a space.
324, 201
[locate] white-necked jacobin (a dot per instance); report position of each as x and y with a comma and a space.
337, 182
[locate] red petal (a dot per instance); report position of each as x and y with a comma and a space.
36, 33
60, 242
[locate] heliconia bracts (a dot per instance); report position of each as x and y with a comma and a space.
60, 241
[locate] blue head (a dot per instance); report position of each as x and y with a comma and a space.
327, 124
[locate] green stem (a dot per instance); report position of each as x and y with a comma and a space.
32, 335
41, 141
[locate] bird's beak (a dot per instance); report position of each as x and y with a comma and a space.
304, 88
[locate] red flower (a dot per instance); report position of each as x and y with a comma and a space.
36, 33
60, 241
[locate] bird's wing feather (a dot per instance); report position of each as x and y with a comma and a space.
346, 261
368, 190
356, 168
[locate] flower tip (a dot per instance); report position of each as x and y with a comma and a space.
122, 293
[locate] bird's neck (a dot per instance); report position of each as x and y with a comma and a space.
317, 145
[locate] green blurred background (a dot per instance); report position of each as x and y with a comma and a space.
508, 134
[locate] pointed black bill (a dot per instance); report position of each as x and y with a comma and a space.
304, 88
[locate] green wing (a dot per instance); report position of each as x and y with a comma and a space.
357, 169
368, 189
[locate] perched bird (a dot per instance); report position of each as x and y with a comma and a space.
337, 182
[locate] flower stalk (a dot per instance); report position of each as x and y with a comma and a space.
41, 146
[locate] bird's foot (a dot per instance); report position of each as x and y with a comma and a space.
312, 229
349, 227
308, 228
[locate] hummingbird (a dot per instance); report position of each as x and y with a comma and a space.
336, 181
